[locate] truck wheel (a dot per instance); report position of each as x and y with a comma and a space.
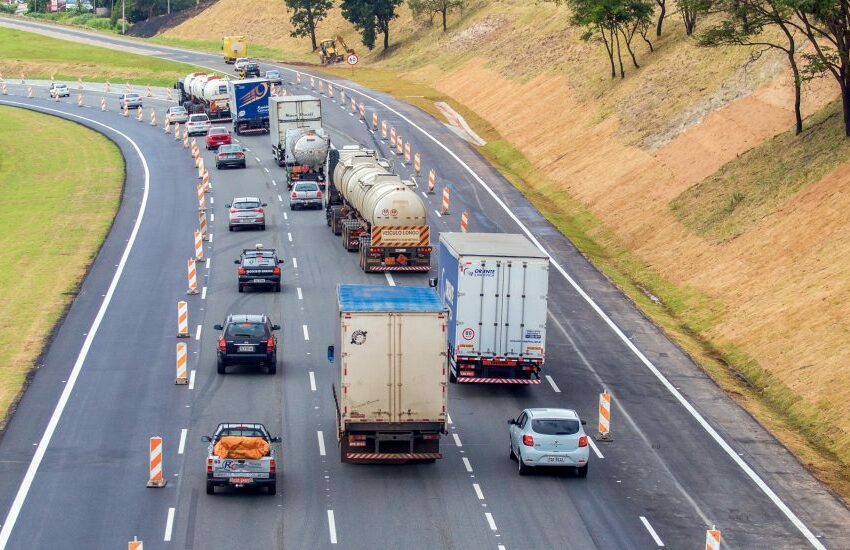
452, 377
273, 489
222, 368
582, 471
210, 488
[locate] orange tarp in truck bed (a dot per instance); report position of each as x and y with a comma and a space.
234, 446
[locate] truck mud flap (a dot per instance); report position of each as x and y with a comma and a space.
471, 380
381, 457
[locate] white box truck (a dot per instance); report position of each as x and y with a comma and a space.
495, 286
391, 356
299, 143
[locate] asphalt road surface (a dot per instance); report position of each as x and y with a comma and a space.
73, 460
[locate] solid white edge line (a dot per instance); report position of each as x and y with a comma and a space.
741, 463
44, 443
457, 440
466, 464
312, 381
266, 169
281, 200
210, 238
332, 526
198, 333
449, 418
594, 447
169, 525
390, 280
438, 214
298, 291
490, 521
182, 445
478, 493
321, 437
552, 383
652, 532
192, 380
306, 334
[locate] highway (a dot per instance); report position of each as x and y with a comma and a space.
73, 460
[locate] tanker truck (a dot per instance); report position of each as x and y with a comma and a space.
205, 93
299, 143
378, 214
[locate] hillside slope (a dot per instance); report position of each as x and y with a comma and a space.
611, 162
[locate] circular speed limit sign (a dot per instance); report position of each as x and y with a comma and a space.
352, 59
468, 334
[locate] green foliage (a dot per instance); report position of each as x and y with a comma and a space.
306, 14
7, 8
370, 18
430, 8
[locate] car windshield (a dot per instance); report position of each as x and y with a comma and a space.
230, 148
246, 205
218, 131
246, 330
555, 426
306, 187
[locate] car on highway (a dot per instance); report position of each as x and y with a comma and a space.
259, 267
130, 100
198, 124
240, 62
250, 69
549, 437
273, 76
177, 114
241, 455
246, 212
59, 90
230, 155
216, 136
247, 339
305, 194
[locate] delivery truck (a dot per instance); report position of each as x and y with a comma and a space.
495, 286
390, 355
299, 143
249, 105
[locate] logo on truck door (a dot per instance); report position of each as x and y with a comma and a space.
358, 337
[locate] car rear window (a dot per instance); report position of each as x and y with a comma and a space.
230, 149
258, 262
246, 205
246, 330
306, 187
555, 426
218, 131
131, 96
199, 118
177, 110
246, 432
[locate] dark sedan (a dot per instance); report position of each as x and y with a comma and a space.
230, 155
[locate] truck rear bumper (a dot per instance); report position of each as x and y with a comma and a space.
392, 456
479, 380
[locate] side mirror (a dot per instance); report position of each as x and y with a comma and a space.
206, 438
218, 327
228, 205
432, 282
330, 354
264, 204
236, 261
275, 327
584, 422
280, 261
511, 421
275, 440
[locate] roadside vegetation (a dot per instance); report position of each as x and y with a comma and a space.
79, 19
55, 213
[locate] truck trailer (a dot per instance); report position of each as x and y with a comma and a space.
205, 93
299, 143
390, 355
249, 105
233, 47
495, 286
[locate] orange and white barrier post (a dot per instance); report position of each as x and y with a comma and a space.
342, 98
127, 88
135, 544
374, 121
407, 153
186, 132
108, 87
148, 92
417, 164
193, 277
312, 82
140, 114
321, 87
182, 320
103, 104
182, 360
202, 199
444, 208
56, 98
176, 131
362, 111
23, 79
298, 77
79, 100
383, 129
464, 221
5, 89
29, 91
201, 169
153, 117
168, 95
712, 539
353, 105
604, 416
399, 145
167, 127
185, 138
202, 224
126, 111
206, 181
392, 138
432, 181
80, 83
156, 478
330, 90
199, 246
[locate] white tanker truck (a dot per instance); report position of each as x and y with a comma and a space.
201, 92
299, 143
378, 214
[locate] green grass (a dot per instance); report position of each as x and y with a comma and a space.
214, 46
56, 210
40, 57
747, 189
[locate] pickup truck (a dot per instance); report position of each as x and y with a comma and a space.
241, 455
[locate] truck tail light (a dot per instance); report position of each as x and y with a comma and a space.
528, 441
582, 441
270, 344
222, 345
431, 436
272, 466
276, 271
209, 465
357, 438
242, 271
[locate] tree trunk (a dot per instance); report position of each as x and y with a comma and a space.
662, 4
312, 32
845, 105
619, 53
386, 36
444, 10
795, 73
628, 41
609, 49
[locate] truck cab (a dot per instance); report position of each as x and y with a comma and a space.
241, 455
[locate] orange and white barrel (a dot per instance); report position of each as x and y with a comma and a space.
182, 320
383, 129
192, 275
156, 479
392, 137
199, 244
712, 539
464, 221
374, 121
153, 117
604, 415
417, 164
182, 362
444, 208
432, 181
407, 153
140, 114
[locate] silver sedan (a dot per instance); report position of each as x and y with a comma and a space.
246, 212
549, 437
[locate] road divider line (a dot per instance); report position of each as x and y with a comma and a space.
23, 490
295, 263
289, 236
390, 280
182, 444
595, 448
192, 380
204, 293
207, 265
266, 169
285, 217
258, 160
652, 532
212, 217
332, 526
169, 525
466, 464
306, 334
457, 440
490, 521
211, 238
198, 332
212, 200
478, 493
281, 200
312, 381
449, 418
298, 291
437, 212
321, 437
552, 383
274, 182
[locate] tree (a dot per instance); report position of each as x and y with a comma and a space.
306, 14
434, 7
690, 10
744, 24
662, 11
371, 17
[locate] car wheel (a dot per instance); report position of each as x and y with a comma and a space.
243, 165
230, 228
522, 468
263, 227
210, 488
511, 447
273, 489
221, 368
273, 367
218, 166
241, 288
277, 287
582, 471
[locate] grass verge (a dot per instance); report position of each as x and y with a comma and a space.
214, 46
40, 57
55, 213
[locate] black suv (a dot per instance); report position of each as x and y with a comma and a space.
251, 70
247, 340
259, 267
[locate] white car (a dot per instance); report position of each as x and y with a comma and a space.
549, 437
59, 90
198, 124
240, 62
177, 114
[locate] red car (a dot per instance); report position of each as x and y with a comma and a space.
218, 135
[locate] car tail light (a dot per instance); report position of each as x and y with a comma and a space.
242, 271
270, 344
233, 211
209, 465
272, 466
294, 195
582, 441
222, 345
258, 210
241, 155
319, 195
276, 270
528, 441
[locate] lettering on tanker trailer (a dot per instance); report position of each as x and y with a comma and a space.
401, 236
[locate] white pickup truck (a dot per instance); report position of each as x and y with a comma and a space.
241, 455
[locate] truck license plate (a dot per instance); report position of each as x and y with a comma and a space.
557, 459
248, 349
240, 480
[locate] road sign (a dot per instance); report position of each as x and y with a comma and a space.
352, 59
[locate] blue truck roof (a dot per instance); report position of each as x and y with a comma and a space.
387, 298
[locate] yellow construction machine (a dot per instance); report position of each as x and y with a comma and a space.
334, 50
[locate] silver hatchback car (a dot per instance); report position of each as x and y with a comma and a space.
549, 437
246, 212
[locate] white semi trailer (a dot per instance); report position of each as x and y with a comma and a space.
299, 143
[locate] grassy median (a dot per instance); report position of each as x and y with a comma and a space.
61, 185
